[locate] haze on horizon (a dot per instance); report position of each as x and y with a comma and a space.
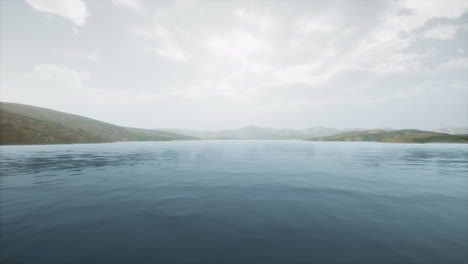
226, 64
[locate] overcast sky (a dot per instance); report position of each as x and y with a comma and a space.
226, 64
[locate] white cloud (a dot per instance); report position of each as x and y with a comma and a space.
89, 56
395, 33
135, 5
46, 83
59, 77
74, 10
162, 43
454, 64
237, 45
172, 52
420, 11
443, 32
252, 57
261, 22
383, 51
310, 25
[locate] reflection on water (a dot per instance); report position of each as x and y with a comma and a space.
234, 202
51, 161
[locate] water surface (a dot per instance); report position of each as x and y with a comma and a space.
234, 202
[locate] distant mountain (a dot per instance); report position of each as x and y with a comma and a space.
253, 132
453, 130
395, 136
25, 124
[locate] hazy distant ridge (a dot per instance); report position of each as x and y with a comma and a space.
25, 124
254, 132
453, 130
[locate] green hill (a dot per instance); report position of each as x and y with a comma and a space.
395, 136
25, 124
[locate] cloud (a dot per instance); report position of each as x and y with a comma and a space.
88, 56
394, 33
453, 64
166, 50
420, 12
261, 22
237, 45
442, 32
74, 10
309, 25
58, 77
135, 5
162, 44
47, 83
314, 50
299, 60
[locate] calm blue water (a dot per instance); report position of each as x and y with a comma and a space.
234, 202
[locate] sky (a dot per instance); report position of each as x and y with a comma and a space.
227, 64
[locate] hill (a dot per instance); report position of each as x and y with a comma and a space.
453, 130
25, 124
395, 136
254, 132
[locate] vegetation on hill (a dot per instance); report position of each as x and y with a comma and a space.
24, 124
16, 129
395, 136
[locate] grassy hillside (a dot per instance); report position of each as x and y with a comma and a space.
24, 124
395, 136
17, 129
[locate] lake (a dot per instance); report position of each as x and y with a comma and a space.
222, 201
